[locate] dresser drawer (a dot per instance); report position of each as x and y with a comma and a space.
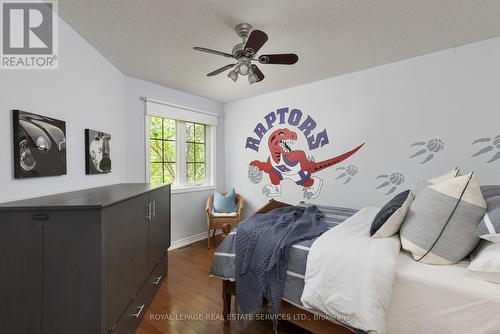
138, 307
159, 273
135, 311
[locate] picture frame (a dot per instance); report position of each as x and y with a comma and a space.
39, 145
97, 152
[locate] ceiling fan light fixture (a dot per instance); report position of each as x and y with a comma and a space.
233, 75
244, 67
252, 78
244, 53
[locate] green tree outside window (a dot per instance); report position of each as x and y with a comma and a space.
163, 155
195, 152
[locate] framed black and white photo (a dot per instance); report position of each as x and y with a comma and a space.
39, 145
97, 152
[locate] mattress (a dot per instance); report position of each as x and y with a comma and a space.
223, 260
441, 299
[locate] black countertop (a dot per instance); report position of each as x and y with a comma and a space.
93, 198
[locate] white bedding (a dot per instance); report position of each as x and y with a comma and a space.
349, 275
370, 285
441, 299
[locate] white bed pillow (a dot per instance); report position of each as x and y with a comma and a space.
486, 261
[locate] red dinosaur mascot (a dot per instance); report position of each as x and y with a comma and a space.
285, 163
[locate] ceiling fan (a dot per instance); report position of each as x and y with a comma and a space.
244, 53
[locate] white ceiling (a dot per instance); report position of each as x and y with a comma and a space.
153, 39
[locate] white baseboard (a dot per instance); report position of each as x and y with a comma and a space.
190, 240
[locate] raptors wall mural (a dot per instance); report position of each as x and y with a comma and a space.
282, 161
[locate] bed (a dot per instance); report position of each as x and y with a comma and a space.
425, 298
222, 267
223, 261
441, 299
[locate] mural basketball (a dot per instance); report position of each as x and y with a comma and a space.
286, 163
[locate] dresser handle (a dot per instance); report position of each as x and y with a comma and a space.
140, 308
158, 279
148, 206
40, 216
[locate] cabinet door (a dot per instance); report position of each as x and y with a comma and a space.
159, 226
72, 272
20, 272
126, 233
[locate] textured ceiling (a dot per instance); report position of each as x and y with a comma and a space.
153, 39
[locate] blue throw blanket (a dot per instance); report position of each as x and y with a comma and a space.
262, 246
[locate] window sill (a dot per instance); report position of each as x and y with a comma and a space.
189, 189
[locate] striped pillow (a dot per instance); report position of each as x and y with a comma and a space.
446, 176
489, 228
440, 227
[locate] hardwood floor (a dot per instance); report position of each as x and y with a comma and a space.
188, 294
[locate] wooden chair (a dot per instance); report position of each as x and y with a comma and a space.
225, 223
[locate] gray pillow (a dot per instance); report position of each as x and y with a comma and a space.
389, 219
489, 227
440, 227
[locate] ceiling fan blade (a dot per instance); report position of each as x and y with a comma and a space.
215, 52
258, 73
255, 41
283, 59
220, 70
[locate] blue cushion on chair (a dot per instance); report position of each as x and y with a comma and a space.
226, 203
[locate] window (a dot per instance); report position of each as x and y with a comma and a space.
180, 153
195, 153
162, 144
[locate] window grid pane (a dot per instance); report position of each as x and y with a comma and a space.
156, 173
169, 154
195, 172
189, 132
156, 150
169, 129
168, 173
190, 172
199, 133
199, 153
199, 171
195, 133
195, 152
156, 128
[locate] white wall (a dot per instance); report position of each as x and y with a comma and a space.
86, 92
188, 215
451, 95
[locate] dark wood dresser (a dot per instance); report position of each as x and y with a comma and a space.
83, 262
